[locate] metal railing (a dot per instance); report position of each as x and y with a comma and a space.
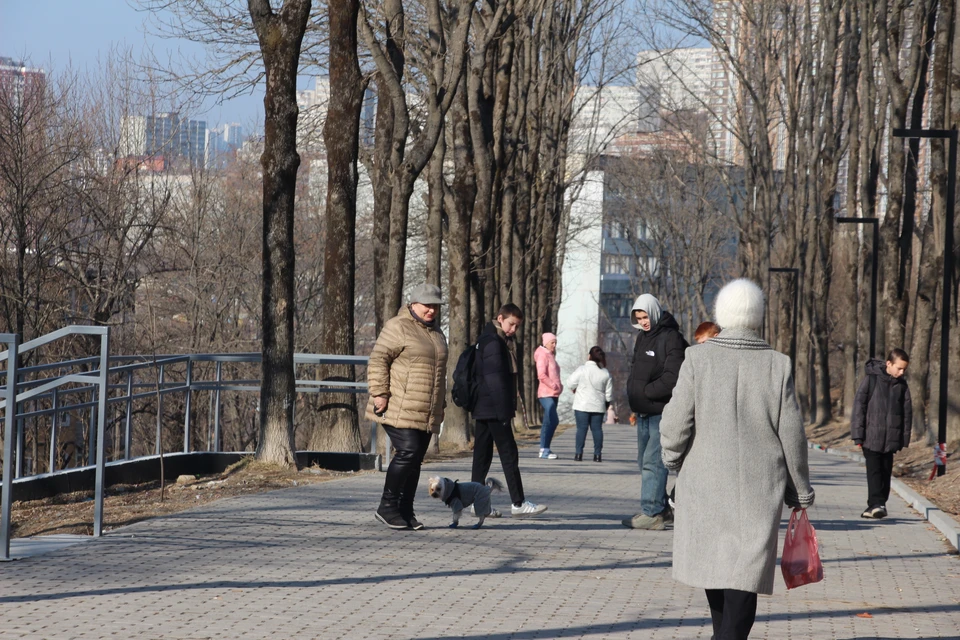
57, 389
96, 381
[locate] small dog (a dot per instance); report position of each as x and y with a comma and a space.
460, 495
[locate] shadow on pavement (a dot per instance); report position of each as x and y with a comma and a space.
679, 623
861, 524
510, 567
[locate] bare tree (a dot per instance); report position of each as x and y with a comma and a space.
39, 144
338, 427
406, 165
280, 34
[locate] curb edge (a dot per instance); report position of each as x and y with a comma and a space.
928, 511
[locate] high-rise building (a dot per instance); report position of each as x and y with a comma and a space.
313, 114
20, 83
222, 143
680, 77
164, 134
602, 115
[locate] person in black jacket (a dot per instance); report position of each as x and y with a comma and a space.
657, 356
881, 424
496, 370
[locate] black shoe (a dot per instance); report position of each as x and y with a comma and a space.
596, 458
578, 457
391, 518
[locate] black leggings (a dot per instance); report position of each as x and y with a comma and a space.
403, 474
733, 613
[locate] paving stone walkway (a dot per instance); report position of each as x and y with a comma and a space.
312, 562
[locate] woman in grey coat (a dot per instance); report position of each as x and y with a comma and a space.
734, 428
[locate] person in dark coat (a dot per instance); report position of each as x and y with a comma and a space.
881, 424
496, 370
657, 356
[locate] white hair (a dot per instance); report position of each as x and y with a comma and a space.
740, 305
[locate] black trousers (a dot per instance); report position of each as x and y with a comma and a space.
501, 433
733, 613
879, 470
403, 474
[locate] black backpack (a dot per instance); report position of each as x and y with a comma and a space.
466, 386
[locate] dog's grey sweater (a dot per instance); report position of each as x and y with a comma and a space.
470, 493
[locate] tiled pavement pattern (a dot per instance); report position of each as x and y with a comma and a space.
312, 562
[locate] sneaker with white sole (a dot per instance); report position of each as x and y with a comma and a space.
527, 509
546, 454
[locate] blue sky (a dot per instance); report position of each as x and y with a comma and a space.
54, 33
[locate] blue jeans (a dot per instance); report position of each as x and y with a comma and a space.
595, 422
550, 421
653, 475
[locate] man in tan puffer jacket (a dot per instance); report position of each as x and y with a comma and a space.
407, 376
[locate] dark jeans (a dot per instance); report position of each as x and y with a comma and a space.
403, 474
550, 421
488, 432
733, 613
879, 470
595, 422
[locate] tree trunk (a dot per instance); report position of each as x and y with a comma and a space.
931, 250
337, 426
280, 35
456, 427
381, 199
435, 213
389, 147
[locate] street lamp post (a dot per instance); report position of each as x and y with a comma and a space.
874, 261
796, 303
948, 266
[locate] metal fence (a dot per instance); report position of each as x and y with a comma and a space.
93, 385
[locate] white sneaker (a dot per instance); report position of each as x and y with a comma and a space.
527, 509
546, 454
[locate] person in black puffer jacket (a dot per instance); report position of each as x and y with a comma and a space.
496, 369
657, 356
881, 424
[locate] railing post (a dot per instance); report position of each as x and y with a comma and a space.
19, 445
101, 431
159, 410
92, 431
127, 427
216, 409
186, 406
6, 501
54, 431
186, 409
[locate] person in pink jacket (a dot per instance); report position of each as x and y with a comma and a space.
548, 392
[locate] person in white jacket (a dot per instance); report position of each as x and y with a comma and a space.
595, 386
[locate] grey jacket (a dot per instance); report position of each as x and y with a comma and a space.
734, 427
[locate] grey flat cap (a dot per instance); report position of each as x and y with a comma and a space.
426, 294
